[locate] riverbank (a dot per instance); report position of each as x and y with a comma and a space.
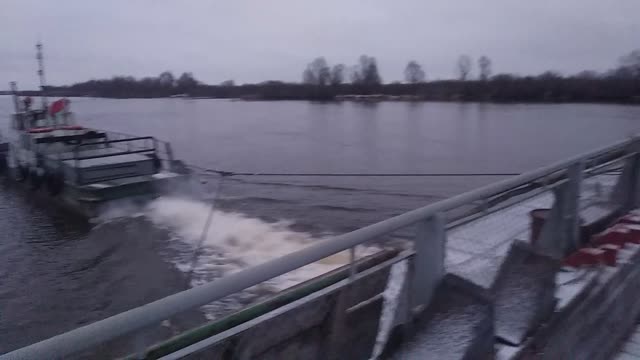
499, 89
373, 98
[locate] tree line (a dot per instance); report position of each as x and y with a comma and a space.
322, 81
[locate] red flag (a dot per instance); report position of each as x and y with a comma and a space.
57, 106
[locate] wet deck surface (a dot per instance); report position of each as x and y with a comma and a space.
476, 250
456, 319
631, 348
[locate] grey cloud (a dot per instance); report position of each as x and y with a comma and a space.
251, 41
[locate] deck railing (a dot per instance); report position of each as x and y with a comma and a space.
560, 231
162, 149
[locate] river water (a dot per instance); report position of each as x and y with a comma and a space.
57, 273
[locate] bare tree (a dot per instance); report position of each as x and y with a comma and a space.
630, 64
619, 73
413, 73
308, 77
587, 75
324, 74
549, 76
370, 70
354, 74
337, 74
186, 82
366, 72
463, 67
484, 65
228, 83
317, 72
166, 79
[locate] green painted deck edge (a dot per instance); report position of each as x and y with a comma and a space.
200, 333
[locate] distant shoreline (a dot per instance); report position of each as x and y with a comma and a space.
498, 89
362, 99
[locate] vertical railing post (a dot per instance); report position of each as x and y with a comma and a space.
553, 239
169, 151
572, 205
634, 190
352, 264
627, 191
561, 230
428, 264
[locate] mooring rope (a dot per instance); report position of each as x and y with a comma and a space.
205, 230
226, 174
231, 173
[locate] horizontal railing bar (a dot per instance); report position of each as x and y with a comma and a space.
153, 313
116, 141
124, 152
129, 136
595, 169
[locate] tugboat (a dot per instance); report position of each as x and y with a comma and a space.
82, 168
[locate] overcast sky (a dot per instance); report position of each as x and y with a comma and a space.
258, 40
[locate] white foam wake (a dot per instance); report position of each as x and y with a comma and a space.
235, 241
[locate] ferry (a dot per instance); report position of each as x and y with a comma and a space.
85, 169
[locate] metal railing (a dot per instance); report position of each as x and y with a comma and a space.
134, 145
559, 231
162, 149
126, 144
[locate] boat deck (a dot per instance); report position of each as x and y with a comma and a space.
631, 348
475, 249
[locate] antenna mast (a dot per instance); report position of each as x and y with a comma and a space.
43, 82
